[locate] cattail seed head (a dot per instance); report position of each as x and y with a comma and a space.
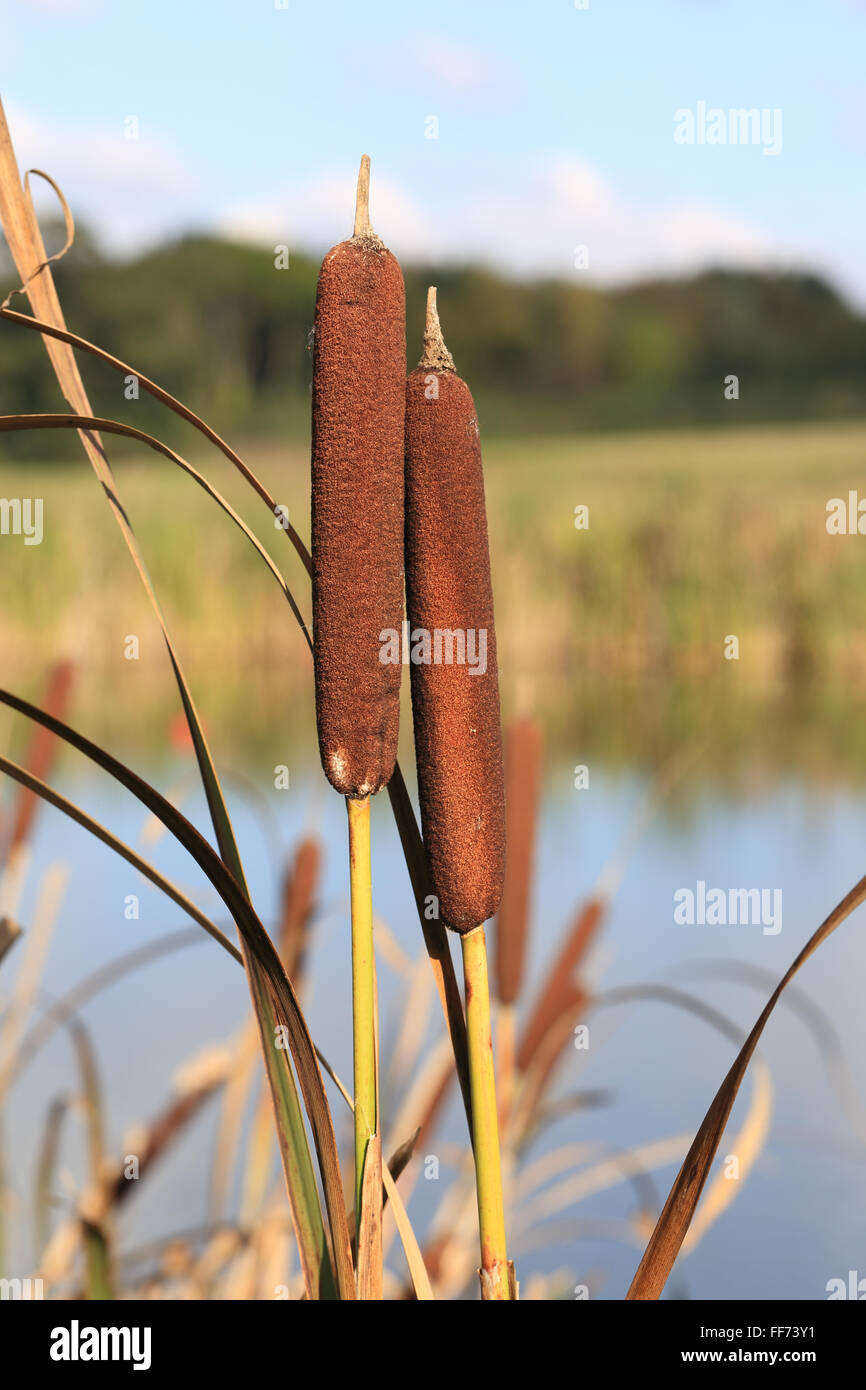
359, 369
522, 786
455, 704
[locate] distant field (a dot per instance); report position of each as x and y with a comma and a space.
693, 537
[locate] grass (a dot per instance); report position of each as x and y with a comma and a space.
692, 536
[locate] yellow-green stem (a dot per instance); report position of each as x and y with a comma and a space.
363, 988
495, 1282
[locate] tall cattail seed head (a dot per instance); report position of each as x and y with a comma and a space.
455, 688
359, 369
522, 787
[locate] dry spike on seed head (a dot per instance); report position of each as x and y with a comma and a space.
359, 371
455, 705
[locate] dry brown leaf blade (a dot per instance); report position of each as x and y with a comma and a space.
672, 1225
370, 1232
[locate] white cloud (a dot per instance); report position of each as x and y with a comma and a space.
134, 192
531, 227
569, 203
130, 191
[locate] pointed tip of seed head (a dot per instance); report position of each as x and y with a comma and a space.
363, 231
436, 354
362, 199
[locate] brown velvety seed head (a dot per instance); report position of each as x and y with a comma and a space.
359, 374
522, 787
458, 740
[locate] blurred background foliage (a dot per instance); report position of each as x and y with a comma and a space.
541, 356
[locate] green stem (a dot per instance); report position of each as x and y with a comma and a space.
495, 1282
363, 988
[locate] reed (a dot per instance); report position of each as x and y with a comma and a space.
455, 708
357, 535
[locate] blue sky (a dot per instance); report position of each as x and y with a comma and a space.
555, 126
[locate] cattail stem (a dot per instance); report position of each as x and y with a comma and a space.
495, 1281
363, 987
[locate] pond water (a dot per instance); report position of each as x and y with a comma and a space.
799, 1218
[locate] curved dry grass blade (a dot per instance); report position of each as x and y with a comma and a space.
48, 794
747, 1146
70, 230
257, 940
671, 1227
